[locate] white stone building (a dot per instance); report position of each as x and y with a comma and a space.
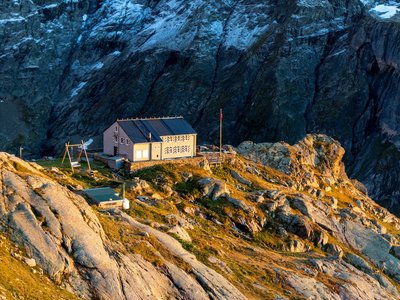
150, 139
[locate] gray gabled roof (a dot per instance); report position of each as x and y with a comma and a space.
138, 129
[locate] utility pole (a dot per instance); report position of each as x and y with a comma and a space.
122, 192
20, 152
220, 133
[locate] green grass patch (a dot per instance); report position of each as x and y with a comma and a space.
189, 187
168, 171
268, 240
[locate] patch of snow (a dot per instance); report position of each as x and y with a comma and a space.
167, 26
338, 53
367, 2
217, 27
50, 6
117, 13
314, 3
245, 26
76, 90
115, 53
98, 65
386, 11
17, 19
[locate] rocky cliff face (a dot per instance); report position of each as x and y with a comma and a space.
279, 69
191, 233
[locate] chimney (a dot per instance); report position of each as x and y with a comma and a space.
149, 136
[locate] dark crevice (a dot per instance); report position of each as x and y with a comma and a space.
331, 39
366, 106
151, 89
271, 59
217, 59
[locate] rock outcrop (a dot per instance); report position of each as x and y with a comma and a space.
63, 235
217, 240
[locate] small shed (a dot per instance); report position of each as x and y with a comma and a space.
104, 197
115, 162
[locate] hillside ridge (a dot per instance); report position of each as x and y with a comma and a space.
275, 222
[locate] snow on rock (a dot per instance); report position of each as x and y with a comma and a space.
314, 3
384, 10
240, 36
76, 90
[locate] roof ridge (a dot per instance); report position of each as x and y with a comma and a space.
150, 118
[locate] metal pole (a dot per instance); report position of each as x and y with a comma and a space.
220, 133
70, 158
122, 193
86, 156
20, 152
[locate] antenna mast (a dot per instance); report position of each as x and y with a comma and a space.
220, 133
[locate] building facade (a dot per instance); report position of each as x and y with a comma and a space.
150, 139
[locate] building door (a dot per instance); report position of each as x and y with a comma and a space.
155, 151
115, 151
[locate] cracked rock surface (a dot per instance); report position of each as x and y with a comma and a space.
63, 234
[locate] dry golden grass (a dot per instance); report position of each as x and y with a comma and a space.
17, 281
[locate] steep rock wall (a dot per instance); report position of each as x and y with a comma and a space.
279, 69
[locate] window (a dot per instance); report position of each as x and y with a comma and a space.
127, 141
145, 153
122, 140
115, 139
116, 128
183, 149
138, 154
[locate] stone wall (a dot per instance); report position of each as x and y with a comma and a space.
195, 161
